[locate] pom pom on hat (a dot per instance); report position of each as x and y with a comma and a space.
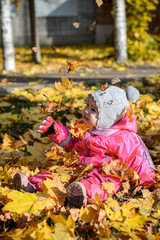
132, 94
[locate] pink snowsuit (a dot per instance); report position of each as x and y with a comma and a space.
119, 141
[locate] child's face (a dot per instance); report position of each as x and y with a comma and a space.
90, 112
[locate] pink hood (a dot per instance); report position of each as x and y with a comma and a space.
124, 124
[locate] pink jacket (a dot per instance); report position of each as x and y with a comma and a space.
119, 141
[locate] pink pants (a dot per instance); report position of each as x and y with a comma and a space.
92, 182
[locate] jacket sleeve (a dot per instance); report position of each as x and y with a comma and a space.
63, 137
96, 161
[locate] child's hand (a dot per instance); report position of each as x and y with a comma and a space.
47, 126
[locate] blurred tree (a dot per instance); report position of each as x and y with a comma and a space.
34, 33
120, 30
142, 45
7, 36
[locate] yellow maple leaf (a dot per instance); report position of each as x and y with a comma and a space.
69, 223
146, 98
136, 222
42, 231
154, 109
90, 212
114, 215
79, 130
65, 84
64, 173
7, 142
61, 232
27, 202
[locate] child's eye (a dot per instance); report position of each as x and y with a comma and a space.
93, 110
87, 104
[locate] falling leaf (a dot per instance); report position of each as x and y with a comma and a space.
115, 80
76, 24
53, 47
92, 26
104, 87
99, 2
34, 49
73, 65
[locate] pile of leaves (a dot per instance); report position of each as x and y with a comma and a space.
95, 56
132, 213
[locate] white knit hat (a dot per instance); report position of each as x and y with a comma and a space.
112, 104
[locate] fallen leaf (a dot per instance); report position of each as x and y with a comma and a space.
115, 80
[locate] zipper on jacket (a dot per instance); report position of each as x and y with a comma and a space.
86, 145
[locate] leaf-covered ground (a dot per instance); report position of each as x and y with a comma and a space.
132, 213
53, 58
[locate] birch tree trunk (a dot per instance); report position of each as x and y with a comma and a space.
7, 36
120, 30
34, 33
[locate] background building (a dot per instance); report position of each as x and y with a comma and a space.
55, 22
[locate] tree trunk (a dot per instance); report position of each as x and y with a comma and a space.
120, 31
7, 36
34, 33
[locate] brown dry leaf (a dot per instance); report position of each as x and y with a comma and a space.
92, 26
99, 2
52, 107
76, 24
71, 158
104, 87
49, 107
55, 154
115, 167
115, 80
126, 186
86, 170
